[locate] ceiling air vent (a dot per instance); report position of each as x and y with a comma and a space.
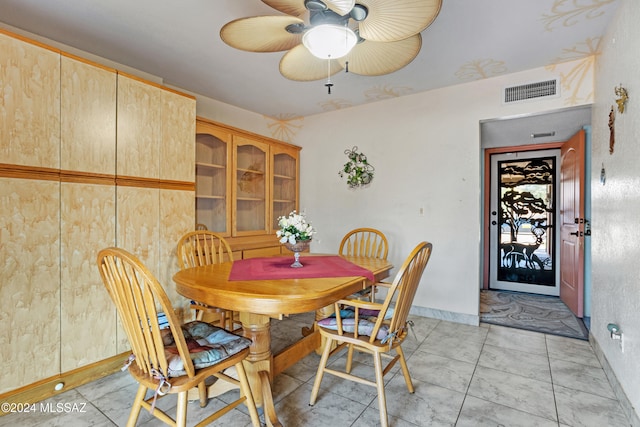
544, 89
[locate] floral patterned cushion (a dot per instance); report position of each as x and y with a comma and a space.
207, 345
365, 327
363, 312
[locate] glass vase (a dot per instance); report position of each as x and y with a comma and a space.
296, 248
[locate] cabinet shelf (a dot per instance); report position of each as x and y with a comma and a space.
250, 199
284, 177
210, 165
253, 171
283, 201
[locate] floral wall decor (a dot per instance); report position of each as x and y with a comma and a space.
357, 170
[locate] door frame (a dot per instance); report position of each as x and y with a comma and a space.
486, 222
494, 234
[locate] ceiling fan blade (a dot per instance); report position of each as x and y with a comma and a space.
371, 58
261, 33
290, 7
389, 21
300, 65
341, 7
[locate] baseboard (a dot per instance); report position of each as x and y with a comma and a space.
450, 316
626, 405
46, 388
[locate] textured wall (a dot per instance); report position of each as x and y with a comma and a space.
615, 205
426, 152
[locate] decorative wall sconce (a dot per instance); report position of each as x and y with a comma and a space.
623, 96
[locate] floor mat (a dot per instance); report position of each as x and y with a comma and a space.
538, 313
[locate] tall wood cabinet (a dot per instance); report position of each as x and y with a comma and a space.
244, 182
89, 158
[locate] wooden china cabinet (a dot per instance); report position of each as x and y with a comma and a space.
244, 183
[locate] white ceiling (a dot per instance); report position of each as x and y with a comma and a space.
179, 42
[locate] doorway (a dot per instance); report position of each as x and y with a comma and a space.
530, 133
523, 234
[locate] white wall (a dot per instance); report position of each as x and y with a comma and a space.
616, 205
426, 152
231, 115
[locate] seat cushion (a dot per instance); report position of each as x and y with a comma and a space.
349, 312
365, 327
207, 345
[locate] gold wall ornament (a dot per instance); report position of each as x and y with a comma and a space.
623, 96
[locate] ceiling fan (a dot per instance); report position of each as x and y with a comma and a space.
367, 37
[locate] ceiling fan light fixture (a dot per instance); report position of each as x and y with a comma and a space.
329, 41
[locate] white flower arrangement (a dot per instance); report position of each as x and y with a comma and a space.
293, 228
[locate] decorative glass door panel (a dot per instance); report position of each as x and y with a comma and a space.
251, 187
285, 197
212, 161
523, 218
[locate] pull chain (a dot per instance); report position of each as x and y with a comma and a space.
329, 84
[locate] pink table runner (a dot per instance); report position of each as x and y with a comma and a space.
280, 268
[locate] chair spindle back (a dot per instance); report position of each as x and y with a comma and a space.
202, 247
364, 242
403, 290
137, 295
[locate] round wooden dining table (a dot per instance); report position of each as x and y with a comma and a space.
258, 301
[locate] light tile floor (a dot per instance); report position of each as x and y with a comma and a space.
463, 376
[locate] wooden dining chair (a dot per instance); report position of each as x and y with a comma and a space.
174, 359
203, 247
365, 242
375, 328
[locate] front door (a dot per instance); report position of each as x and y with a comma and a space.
572, 224
523, 217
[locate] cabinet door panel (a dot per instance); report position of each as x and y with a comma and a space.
88, 120
138, 128
284, 196
30, 289
30, 107
250, 186
176, 219
137, 231
213, 178
177, 154
88, 314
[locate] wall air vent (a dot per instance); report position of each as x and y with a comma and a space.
548, 88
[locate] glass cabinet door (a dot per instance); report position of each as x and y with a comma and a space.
213, 159
251, 161
285, 186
